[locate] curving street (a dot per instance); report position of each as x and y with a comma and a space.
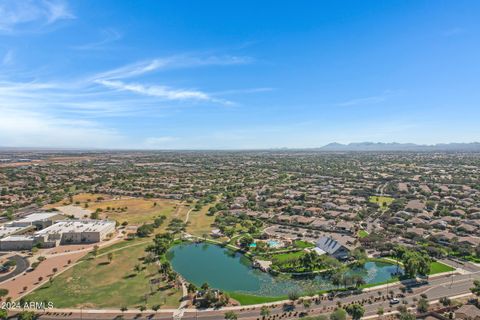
450, 285
21, 265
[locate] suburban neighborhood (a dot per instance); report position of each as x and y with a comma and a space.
239, 160
325, 225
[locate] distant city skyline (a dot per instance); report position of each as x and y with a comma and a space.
237, 75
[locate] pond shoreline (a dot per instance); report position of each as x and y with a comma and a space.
255, 285
252, 258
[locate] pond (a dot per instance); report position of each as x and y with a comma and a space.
232, 272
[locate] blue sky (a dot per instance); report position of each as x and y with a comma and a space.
237, 74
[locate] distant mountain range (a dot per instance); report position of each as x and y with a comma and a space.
394, 146
331, 147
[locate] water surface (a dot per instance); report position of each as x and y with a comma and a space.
229, 271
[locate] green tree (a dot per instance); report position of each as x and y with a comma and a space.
245, 241
445, 301
230, 315
406, 316
26, 315
264, 311
3, 314
422, 305
3, 292
144, 230
95, 251
338, 314
476, 288
307, 304
414, 262
137, 268
293, 295
380, 311
191, 288
356, 311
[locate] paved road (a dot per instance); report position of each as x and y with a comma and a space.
21, 266
448, 285
435, 290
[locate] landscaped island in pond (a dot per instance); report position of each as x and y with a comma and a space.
232, 272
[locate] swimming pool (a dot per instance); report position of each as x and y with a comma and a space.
274, 243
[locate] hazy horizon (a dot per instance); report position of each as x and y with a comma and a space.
318, 148
222, 75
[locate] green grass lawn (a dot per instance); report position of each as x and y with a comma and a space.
438, 267
303, 244
95, 283
362, 233
286, 256
200, 223
472, 258
383, 202
435, 267
246, 299
118, 246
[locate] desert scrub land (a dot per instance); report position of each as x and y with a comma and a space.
134, 211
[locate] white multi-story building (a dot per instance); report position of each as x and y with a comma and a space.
62, 232
39, 220
17, 243
75, 231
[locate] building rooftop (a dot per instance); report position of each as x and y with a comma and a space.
66, 226
328, 245
17, 238
38, 217
5, 230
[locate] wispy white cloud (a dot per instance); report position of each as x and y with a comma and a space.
80, 99
163, 92
242, 91
367, 100
177, 61
31, 15
61, 112
38, 129
108, 36
57, 10
8, 58
113, 79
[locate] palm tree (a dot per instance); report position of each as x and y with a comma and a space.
264, 311
95, 251
230, 315
191, 288
165, 268
359, 281
336, 279
307, 304
137, 268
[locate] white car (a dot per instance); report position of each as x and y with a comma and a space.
394, 301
